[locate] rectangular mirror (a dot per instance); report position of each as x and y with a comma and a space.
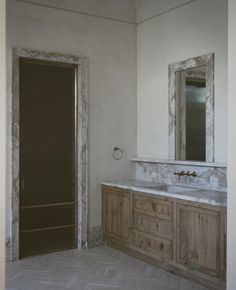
191, 109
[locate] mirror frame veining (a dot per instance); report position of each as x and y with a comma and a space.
204, 60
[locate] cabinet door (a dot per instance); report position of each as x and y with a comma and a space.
198, 236
116, 214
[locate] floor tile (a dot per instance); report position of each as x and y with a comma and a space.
101, 268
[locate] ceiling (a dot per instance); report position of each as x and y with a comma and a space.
132, 11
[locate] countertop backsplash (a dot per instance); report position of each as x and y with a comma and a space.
213, 178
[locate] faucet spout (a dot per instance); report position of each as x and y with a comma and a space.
181, 173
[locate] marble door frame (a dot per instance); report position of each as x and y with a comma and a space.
81, 64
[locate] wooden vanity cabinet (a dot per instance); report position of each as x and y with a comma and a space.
115, 215
186, 237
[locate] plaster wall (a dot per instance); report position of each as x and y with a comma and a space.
149, 8
231, 233
197, 28
110, 47
124, 10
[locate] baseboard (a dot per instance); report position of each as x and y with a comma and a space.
8, 247
95, 237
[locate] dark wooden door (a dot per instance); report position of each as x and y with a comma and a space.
47, 157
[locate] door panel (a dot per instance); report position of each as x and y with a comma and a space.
47, 152
47, 216
39, 242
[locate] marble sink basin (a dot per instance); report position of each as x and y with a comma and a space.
164, 187
157, 186
176, 188
144, 184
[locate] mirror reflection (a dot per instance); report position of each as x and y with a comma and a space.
191, 95
191, 109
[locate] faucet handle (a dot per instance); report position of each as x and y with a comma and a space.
194, 174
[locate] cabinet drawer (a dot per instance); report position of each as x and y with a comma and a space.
152, 206
152, 225
152, 246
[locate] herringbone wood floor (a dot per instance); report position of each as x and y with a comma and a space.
95, 269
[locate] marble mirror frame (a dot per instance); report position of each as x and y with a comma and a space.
204, 60
81, 65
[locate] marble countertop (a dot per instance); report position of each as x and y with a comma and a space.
211, 197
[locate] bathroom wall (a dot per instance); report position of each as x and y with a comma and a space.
190, 30
110, 46
231, 196
124, 10
149, 8
2, 142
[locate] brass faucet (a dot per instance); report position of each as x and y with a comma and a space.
184, 173
181, 173
194, 174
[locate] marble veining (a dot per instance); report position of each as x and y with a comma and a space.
208, 177
95, 237
179, 162
204, 60
8, 248
81, 64
210, 197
